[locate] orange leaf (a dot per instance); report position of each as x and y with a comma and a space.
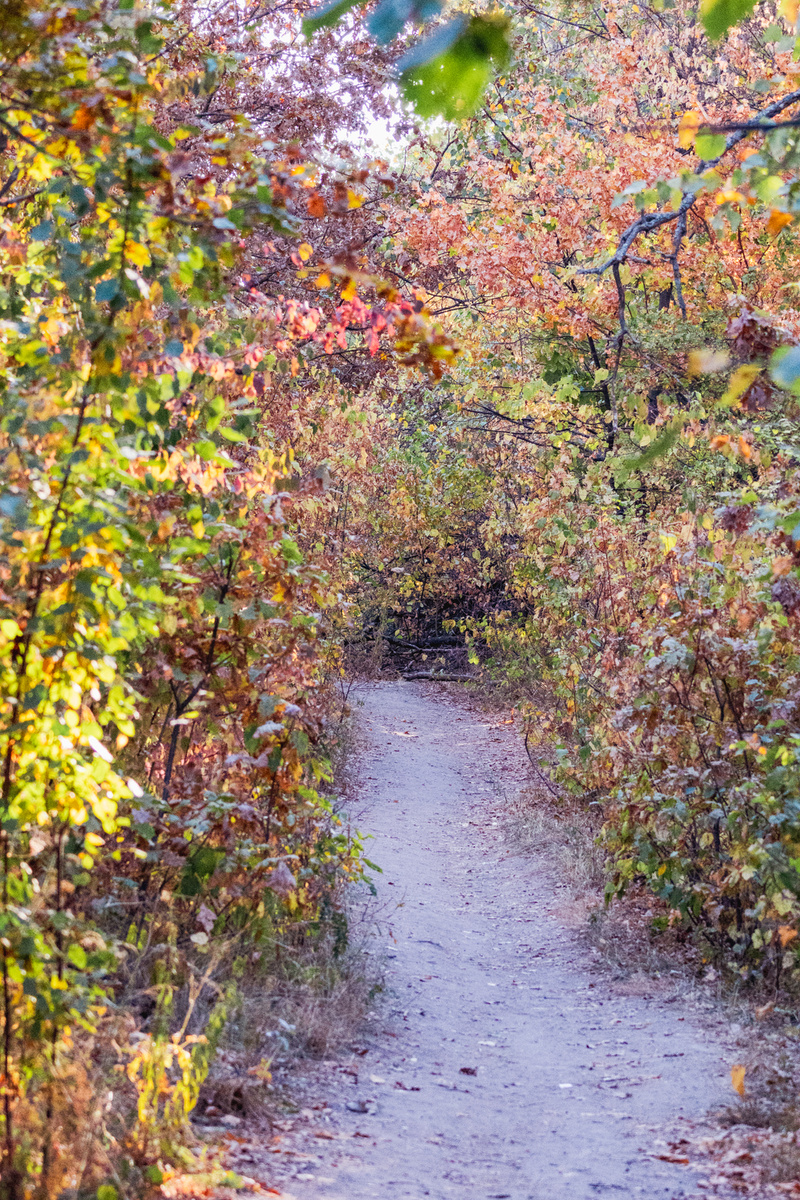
737, 1078
777, 221
316, 205
84, 118
786, 934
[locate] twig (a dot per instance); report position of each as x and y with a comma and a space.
538, 769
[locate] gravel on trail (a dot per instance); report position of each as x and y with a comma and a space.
501, 1065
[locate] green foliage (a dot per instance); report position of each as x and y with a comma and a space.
719, 15
448, 72
327, 15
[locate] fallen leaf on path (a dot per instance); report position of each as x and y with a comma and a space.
377, 1079
673, 1158
404, 1087
468, 1070
737, 1078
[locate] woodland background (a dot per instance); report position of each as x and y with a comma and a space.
294, 377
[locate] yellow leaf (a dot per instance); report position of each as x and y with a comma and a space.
687, 130
706, 361
323, 280
349, 291
789, 9
354, 200
668, 542
136, 253
739, 382
777, 221
729, 196
305, 251
737, 1078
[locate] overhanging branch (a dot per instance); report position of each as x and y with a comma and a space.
647, 222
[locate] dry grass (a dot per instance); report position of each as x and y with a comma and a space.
565, 833
308, 1003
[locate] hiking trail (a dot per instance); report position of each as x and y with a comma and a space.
501, 1064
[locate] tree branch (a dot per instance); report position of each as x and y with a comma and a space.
647, 222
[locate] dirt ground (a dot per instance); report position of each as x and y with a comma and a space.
500, 1062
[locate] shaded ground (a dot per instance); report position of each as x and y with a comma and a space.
501, 1064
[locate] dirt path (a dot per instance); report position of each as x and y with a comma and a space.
501, 1066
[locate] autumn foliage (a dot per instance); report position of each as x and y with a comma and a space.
601, 495
525, 381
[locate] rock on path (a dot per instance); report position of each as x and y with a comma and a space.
513, 1070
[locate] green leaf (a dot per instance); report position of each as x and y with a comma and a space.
326, 15
768, 188
106, 290
77, 956
388, 19
718, 15
710, 145
448, 72
785, 368
661, 446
